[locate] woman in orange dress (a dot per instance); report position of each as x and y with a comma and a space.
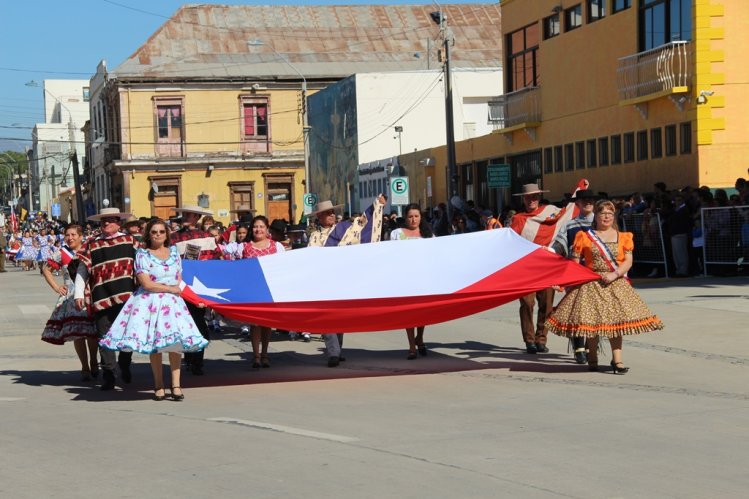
609, 307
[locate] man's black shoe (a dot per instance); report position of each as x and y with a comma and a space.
127, 375
541, 348
530, 348
581, 357
108, 381
333, 361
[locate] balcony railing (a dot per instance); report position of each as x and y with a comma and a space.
662, 70
516, 108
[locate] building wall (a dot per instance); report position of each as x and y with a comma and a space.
580, 102
212, 123
723, 26
215, 185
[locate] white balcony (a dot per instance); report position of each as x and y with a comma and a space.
518, 110
663, 71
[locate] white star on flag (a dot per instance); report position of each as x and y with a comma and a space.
200, 289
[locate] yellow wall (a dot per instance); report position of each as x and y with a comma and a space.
580, 100
212, 120
194, 183
721, 67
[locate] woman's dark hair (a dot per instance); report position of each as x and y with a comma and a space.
258, 218
248, 237
424, 228
147, 234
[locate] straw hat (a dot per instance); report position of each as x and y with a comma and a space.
530, 189
109, 213
325, 206
191, 208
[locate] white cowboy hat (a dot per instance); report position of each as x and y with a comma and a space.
191, 208
530, 189
109, 213
325, 206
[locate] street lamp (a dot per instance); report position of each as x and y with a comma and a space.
305, 126
399, 131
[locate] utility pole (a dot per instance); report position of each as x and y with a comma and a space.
447, 40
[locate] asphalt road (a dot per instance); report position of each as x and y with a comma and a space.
477, 417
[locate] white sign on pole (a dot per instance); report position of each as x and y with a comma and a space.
310, 200
398, 190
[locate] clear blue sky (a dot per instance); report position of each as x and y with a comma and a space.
61, 39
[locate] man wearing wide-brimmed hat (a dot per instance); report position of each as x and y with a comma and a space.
108, 267
364, 229
540, 225
194, 243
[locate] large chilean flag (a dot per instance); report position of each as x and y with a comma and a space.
381, 286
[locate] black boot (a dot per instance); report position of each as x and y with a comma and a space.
578, 344
108, 380
124, 361
196, 363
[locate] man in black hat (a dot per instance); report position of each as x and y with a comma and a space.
585, 201
194, 243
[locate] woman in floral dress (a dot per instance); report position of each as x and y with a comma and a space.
609, 307
155, 319
67, 323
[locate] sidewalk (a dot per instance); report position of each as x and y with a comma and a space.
477, 417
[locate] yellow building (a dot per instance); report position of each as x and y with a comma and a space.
625, 93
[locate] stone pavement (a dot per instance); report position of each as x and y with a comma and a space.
476, 418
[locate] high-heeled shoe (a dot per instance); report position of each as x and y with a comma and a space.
177, 397
85, 375
411, 355
156, 396
422, 350
619, 370
256, 362
264, 361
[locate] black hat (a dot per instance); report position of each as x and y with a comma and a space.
278, 225
585, 193
296, 228
246, 219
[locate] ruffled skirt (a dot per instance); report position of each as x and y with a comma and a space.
67, 323
597, 309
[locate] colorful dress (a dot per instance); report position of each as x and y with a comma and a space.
67, 323
599, 309
28, 251
45, 248
152, 322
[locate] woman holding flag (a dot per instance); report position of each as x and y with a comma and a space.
67, 323
609, 307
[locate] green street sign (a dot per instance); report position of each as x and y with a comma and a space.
498, 176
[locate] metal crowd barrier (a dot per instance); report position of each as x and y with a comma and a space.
648, 236
726, 235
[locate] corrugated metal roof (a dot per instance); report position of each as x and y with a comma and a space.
210, 41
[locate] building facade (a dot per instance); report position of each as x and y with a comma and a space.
54, 141
211, 110
625, 93
363, 125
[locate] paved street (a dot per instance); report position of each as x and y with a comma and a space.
476, 418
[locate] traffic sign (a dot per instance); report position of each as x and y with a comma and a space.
398, 190
498, 176
310, 200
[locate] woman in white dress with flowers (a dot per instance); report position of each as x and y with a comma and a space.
155, 319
